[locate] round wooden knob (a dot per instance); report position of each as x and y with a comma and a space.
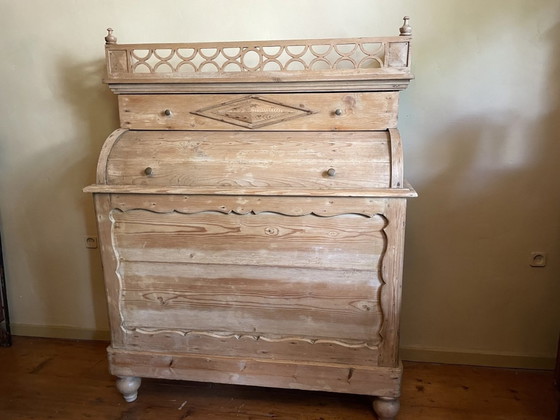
338, 112
167, 112
331, 172
148, 171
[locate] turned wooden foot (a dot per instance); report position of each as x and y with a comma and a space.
128, 386
386, 408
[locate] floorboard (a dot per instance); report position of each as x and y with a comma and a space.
65, 379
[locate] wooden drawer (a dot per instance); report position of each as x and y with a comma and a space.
245, 160
276, 112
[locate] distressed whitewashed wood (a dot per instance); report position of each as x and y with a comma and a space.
272, 61
335, 297
251, 160
110, 264
391, 273
104, 154
301, 112
366, 380
206, 238
252, 222
271, 309
386, 84
408, 191
253, 346
397, 176
294, 206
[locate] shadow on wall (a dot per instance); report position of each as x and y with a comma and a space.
497, 197
56, 178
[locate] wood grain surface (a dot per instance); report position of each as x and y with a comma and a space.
291, 161
256, 237
261, 372
305, 276
358, 111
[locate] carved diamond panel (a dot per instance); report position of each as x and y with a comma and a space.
252, 112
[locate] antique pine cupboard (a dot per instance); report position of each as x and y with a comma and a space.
251, 213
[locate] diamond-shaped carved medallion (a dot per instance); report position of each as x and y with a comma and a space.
252, 112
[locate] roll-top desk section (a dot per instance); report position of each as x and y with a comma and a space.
251, 213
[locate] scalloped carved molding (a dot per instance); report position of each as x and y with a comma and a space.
253, 336
246, 212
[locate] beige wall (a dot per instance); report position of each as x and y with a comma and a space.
481, 131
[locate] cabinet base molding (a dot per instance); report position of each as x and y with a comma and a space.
364, 380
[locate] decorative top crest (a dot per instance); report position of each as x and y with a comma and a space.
381, 62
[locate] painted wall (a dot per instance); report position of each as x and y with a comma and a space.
480, 125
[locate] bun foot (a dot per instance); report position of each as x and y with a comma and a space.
128, 387
386, 408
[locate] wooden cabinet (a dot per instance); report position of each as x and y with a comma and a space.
251, 213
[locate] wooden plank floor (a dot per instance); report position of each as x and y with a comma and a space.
64, 379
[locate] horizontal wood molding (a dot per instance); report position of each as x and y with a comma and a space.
134, 87
223, 191
277, 373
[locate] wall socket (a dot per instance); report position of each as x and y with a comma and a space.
91, 242
538, 259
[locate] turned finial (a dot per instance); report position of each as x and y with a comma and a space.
110, 39
406, 29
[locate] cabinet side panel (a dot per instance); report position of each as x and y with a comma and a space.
392, 266
109, 259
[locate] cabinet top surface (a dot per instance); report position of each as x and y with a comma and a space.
381, 63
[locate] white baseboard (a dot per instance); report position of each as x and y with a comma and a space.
412, 354
50, 331
476, 358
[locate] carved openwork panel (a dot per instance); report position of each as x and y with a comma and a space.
202, 60
265, 57
328, 54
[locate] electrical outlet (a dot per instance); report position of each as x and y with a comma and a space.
91, 242
538, 259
